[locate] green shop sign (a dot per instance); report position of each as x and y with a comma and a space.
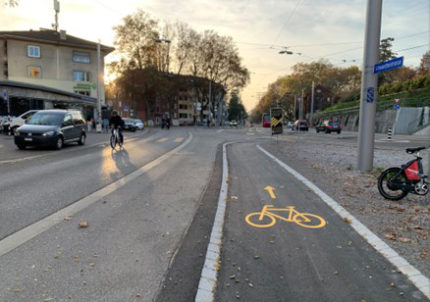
85, 86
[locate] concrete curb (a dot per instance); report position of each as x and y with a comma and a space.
414, 275
208, 279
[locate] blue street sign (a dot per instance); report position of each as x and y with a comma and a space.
4, 94
396, 107
391, 64
370, 95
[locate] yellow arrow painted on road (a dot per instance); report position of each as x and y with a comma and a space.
271, 190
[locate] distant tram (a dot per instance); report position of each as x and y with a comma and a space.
266, 120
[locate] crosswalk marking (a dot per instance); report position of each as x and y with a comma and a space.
162, 140
179, 140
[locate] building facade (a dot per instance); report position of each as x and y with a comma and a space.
50, 60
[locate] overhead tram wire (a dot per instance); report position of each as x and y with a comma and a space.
288, 20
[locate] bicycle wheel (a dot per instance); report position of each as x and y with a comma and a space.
389, 181
253, 219
113, 141
308, 220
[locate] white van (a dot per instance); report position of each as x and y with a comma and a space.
20, 120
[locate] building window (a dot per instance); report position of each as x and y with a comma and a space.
33, 51
183, 115
183, 107
81, 76
81, 57
34, 72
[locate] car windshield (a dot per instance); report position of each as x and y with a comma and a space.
46, 118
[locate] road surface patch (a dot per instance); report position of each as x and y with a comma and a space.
18, 238
414, 275
179, 140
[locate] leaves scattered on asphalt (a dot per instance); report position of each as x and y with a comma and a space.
347, 220
83, 224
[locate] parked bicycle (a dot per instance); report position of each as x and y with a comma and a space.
266, 218
396, 182
115, 140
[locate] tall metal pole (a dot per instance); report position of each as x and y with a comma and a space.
369, 83
99, 105
312, 104
295, 107
301, 105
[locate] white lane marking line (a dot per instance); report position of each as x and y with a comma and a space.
384, 140
414, 275
17, 160
16, 239
208, 278
220, 130
179, 140
162, 140
250, 133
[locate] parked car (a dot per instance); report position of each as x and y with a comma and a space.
139, 124
233, 123
4, 124
20, 120
328, 126
301, 125
129, 125
52, 128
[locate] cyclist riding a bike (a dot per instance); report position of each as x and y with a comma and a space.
116, 122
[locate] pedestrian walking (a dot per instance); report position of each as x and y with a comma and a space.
89, 125
106, 125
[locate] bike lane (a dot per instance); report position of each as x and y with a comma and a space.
289, 261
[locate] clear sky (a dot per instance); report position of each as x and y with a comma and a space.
331, 29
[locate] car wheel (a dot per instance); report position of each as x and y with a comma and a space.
82, 139
59, 143
338, 132
21, 147
318, 131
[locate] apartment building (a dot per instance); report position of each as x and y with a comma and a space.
54, 66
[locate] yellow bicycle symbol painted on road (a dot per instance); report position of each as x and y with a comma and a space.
266, 218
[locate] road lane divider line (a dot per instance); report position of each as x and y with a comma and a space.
413, 274
20, 237
17, 160
162, 140
179, 140
209, 275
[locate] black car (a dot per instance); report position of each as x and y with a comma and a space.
130, 125
52, 128
329, 126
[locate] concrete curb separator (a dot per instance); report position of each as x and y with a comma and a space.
414, 275
15, 240
208, 279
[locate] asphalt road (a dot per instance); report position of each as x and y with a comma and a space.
133, 232
150, 209
290, 261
